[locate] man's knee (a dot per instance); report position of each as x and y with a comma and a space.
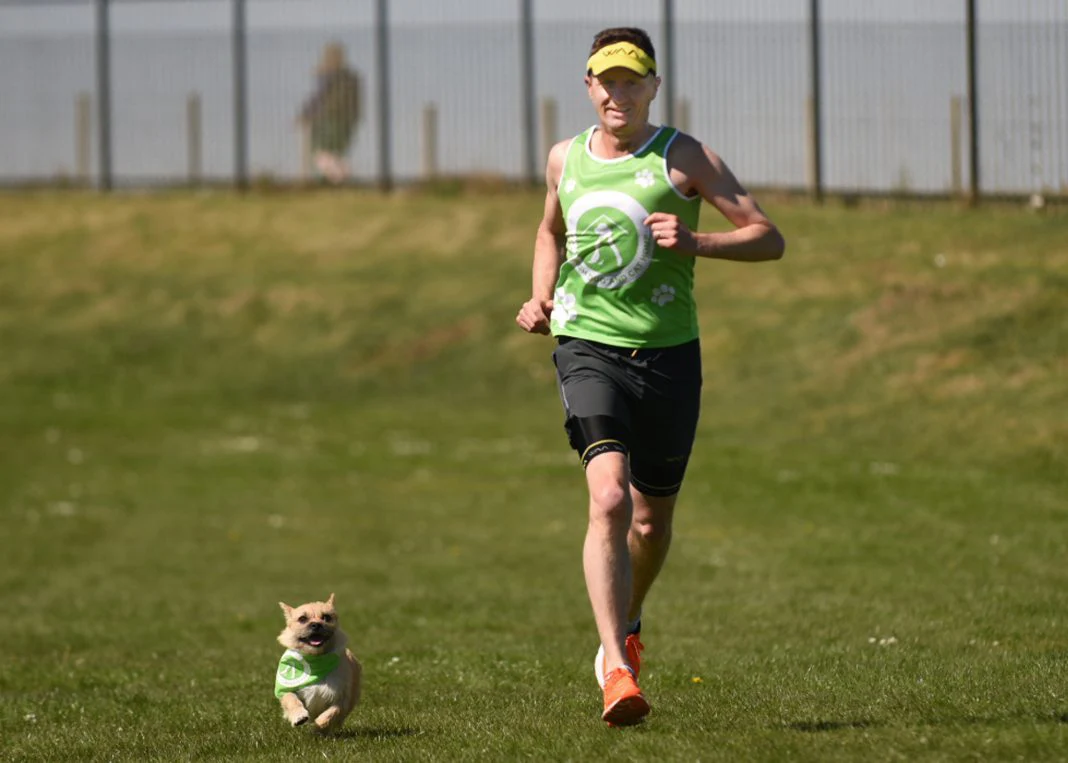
652, 530
652, 517
610, 500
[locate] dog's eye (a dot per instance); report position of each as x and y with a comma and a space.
302, 619
328, 618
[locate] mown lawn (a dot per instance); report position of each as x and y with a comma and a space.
212, 402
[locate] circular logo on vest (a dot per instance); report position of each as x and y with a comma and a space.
610, 245
294, 670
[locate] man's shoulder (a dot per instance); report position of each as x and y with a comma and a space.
690, 156
685, 146
558, 156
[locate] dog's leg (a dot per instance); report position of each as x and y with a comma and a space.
294, 709
329, 717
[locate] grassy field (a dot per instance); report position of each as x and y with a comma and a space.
210, 403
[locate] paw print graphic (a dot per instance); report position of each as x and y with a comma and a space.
644, 178
663, 294
564, 308
569, 186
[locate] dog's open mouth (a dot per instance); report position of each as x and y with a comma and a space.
315, 639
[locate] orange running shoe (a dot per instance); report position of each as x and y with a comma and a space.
634, 658
624, 703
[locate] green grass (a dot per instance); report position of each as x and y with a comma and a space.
210, 403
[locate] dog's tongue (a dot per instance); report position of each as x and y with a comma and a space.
316, 641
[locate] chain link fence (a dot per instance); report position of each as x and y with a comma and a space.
955, 97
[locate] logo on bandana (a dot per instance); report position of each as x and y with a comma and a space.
293, 670
296, 670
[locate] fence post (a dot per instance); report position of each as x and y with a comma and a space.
385, 126
194, 138
430, 141
103, 91
667, 61
240, 96
682, 115
973, 103
955, 143
527, 90
814, 112
83, 130
306, 171
548, 125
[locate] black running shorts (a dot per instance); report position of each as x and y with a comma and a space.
641, 402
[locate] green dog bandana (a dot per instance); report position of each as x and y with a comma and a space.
296, 670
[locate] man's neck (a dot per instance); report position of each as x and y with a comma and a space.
610, 145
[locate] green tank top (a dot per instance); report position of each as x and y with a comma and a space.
616, 285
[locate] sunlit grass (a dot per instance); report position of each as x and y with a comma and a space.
211, 402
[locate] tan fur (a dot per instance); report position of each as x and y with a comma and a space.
330, 701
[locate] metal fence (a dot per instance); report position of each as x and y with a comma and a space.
964, 97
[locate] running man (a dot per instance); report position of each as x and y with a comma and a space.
628, 358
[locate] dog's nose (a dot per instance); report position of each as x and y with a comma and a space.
316, 626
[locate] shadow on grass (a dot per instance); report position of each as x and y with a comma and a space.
816, 727
375, 733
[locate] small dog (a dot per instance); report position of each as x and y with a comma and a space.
318, 677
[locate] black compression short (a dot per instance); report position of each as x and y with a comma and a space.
643, 402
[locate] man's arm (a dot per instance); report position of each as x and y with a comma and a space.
549, 243
700, 170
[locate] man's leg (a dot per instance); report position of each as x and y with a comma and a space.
648, 541
605, 555
331, 166
606, 562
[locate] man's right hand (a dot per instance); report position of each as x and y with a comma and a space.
534, 315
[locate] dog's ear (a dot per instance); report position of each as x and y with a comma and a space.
285, 608
330, 601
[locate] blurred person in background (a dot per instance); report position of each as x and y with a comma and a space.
613, 283
332, 113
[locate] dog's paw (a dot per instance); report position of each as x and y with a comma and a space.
300, 720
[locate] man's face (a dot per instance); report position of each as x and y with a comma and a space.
622, 97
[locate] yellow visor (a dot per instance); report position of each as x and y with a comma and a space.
625, 54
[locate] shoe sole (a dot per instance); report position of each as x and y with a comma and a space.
627, 711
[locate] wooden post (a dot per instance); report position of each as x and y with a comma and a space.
430, 141
83, 129
956, 112
194, 138
682, 115
548, 127
306, 172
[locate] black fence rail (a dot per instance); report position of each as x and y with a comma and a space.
957, 98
